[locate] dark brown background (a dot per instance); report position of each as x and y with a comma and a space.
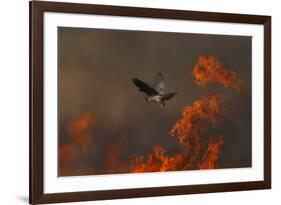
95, 67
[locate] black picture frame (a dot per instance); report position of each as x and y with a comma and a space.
37, 9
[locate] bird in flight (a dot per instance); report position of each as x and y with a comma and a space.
155, 93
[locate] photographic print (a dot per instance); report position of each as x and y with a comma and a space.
130, 102
144, 101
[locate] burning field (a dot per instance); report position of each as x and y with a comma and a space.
198, 148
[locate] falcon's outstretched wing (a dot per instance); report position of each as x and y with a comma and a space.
159, 84
168, 96
143, 87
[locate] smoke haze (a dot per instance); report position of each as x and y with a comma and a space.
105, 122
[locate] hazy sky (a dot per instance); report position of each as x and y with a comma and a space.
95, 68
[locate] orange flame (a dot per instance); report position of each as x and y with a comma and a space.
157, 161
193, 118
79, 142
188, 131
208, 70
80, 131
211, 156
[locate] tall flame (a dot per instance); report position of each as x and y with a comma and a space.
193, 118
209, 70
188, 131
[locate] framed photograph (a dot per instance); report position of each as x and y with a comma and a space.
139, 102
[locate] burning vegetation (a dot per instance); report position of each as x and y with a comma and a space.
81, 136
190, 129
209, 69
197, 149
